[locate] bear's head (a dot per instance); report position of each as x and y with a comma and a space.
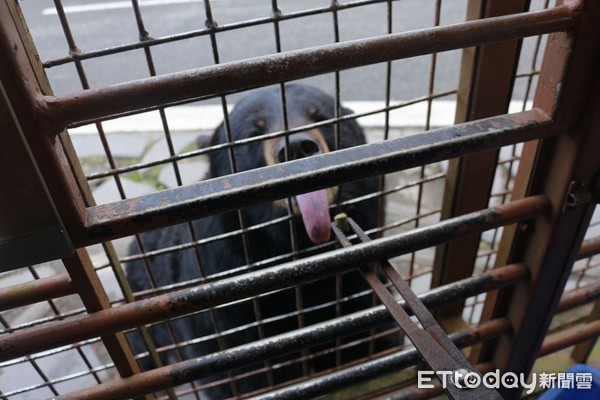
261, 113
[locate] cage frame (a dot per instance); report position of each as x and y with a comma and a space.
559, 127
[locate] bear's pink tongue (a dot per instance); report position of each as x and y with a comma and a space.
314, 209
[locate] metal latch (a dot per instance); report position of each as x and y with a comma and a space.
582, 192
429, 339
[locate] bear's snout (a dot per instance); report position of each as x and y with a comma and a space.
300, 145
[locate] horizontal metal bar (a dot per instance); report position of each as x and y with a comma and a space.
415, 393
337, 381
565, 303
568, 301
251, 284
578, 297
372, 369
35, 291
430, 340
581, 333
589, 248
150, 42
168, 207
59, 111
154, 380
261, 138
297, 340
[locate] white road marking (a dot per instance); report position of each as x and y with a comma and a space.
115, 5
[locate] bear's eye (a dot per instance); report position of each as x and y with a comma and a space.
260, 124
315, 114
257, 127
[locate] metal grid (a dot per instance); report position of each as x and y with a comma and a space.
426, 176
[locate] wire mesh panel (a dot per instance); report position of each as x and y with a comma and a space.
212, 143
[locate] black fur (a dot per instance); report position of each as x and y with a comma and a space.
305, 104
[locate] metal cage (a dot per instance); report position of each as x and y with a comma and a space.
489, 216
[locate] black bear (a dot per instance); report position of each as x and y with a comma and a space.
266, 243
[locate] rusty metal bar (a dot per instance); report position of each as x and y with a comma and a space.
365, 319
32, 237
60, 111
35, 291
403, 359
415, 393
260, 138
430, 340
22, 78
579, 297
552, 344
568, 301
589, 248
582, 351
92, 294
186, 371
569, 90
485, 88
150, 42
110, 221
563, 305
576, 298
239, 287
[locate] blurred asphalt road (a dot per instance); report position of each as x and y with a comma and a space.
101, 24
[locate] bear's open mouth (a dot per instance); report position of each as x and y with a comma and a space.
314, 206
314, 209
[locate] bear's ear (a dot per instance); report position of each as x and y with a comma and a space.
218, 136
347, 111
203, 141
319, 113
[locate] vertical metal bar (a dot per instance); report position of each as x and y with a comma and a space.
430, 340
582, 351
44, 377
533, 64
73, 49
21, 61
22, 78
93, 296
86, 193
432, 71
485, 88
337, 112
381, 217
386, 129
211, 24
276, 14
569, 90
143, 35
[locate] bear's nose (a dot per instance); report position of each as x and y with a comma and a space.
300, 145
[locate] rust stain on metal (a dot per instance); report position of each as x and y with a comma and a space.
38, 290
226, 182
226, 77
